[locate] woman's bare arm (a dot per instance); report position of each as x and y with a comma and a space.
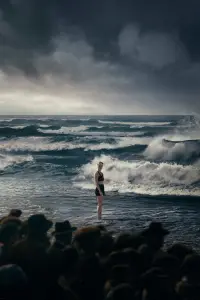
97, 183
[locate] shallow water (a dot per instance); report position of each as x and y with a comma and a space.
47, 165
121, 212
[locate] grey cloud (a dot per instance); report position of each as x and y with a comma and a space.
71, 76
154, 49
93, 56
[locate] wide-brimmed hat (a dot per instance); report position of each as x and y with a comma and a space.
62, 228
38, 222
155, 228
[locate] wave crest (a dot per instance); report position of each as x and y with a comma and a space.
135, 124
171, 150
65, 130
9, 160
143, 177
39, 144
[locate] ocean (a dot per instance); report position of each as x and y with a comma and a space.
151, 169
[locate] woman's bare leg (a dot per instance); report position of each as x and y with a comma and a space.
99, 206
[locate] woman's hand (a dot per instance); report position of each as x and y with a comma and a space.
100, 192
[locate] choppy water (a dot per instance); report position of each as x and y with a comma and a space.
47, 164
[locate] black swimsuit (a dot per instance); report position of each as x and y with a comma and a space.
101, 186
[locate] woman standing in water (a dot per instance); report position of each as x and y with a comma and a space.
99, 191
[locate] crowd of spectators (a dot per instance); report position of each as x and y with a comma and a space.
42, 260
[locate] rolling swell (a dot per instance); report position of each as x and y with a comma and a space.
138, 156
26, 131
31, 130
59, 146
13, 161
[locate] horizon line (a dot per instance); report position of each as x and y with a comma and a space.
95, 115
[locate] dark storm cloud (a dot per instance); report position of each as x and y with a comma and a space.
143, 51
34, 22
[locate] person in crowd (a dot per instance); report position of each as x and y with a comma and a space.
62, 239
63, 234
13, 282
95, 264
154, 237
30, 253
87, 239
188, 288
9, 234
14, 213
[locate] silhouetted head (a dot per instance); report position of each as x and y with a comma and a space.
13, 282
156, 285
15, 213
87, 239
155, 235
63, 232
128, 240
191, 268
100, 166
116, 258
169, 264
133, 260
38, 224
180, 251
120, 274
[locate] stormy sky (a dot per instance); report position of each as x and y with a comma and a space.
99, 57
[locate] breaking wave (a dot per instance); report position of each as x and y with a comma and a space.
9, 160
174, 149
143, 177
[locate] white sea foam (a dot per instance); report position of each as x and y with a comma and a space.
135, 124
36, 144
43, 126
143, 177
180, 147
7, 120
9, 160
112, 133
85, 119
65, 130
18, 127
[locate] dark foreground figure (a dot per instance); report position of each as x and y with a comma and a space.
88, 263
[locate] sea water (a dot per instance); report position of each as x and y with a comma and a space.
151, 170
